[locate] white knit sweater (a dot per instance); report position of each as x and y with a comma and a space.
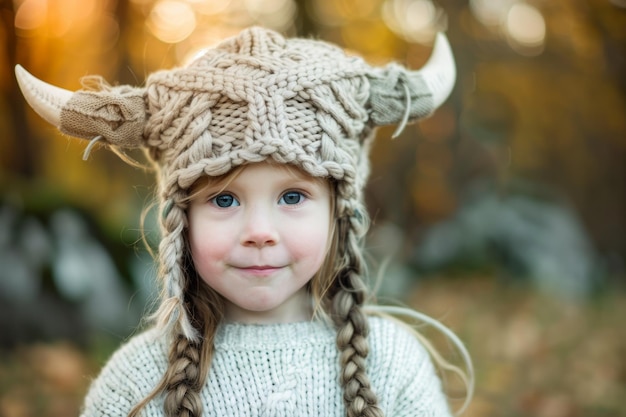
276, 370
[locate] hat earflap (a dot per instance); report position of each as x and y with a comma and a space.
398, 95
115, 115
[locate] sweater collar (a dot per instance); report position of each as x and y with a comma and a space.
273, 336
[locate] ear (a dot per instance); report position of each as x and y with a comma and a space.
400, 95
118, 114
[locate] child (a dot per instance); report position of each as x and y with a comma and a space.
261, 149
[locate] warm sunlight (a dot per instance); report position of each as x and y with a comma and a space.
502, 213
490, 12
210, 8
278, 14
31, 15
413, 20
172, 21
526, 28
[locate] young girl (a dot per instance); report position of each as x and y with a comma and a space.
261, 150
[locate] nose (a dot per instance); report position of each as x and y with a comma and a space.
260, 229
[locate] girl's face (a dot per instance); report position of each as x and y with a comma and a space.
259, 238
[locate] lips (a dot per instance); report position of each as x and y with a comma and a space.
259, 270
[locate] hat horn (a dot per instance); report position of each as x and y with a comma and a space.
47, 100
115, 114
401, 95
439, 73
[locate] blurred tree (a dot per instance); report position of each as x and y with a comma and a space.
553, 117
16, 147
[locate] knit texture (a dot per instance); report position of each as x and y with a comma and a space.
260, 96
256, 96
276, 370
117, 115
252, 98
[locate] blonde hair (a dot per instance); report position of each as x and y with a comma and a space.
189, 361
252, 97
337, 289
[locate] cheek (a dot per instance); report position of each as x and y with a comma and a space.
311, 245
205, 248
208, 259
200, 248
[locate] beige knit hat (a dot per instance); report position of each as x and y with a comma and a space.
253, 97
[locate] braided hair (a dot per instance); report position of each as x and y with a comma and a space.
189, 359
255, 97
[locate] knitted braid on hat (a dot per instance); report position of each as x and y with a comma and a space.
172, 268
210, 117
350, 320
183, 379
254, 97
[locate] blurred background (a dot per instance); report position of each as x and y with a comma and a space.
502, 215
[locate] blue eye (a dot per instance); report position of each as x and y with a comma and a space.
291, 197
225, 201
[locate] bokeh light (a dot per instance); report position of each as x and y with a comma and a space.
31, 15
522, 24
171, 21
75, 16
276, 14
516, 180
210, 8
491, 12
526, 29
412, 20
266, 6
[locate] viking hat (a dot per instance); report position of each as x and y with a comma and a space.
253, 97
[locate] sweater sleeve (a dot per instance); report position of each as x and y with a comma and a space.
126, 379
403, 373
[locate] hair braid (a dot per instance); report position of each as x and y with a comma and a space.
181, 380
352, 324
182, 393
189, 358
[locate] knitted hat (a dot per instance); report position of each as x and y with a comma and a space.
253, 97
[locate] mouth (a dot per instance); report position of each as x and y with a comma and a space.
259, 270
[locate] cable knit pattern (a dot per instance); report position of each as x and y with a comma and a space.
251, 98
288, 370
256, 96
